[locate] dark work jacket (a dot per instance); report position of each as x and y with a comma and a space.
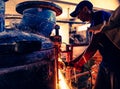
109, 73
112, 30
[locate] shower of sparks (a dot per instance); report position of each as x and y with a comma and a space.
62, 82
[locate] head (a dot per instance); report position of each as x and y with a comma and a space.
83, 11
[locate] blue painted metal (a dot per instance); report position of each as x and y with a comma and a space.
38, 16
32, 66
38, 20
2, 11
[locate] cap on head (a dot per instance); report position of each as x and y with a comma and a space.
80, 6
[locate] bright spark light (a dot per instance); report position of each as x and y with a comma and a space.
62, 81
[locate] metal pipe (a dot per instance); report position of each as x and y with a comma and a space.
2, 14
74, 4
79, 75
2, 10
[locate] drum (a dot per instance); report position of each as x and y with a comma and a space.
26, 53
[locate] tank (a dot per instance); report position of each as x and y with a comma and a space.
27, 53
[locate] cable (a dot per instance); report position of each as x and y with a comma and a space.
90, 76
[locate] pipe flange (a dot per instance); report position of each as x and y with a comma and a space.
38, 4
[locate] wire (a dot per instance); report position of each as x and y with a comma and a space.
90, 76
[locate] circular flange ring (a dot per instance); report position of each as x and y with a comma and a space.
38, 4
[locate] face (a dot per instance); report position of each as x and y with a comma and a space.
84, 15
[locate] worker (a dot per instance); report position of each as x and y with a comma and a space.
108, 43
84, 11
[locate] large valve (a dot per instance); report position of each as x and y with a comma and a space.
38, 16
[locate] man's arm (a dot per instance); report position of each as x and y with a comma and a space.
89, 52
